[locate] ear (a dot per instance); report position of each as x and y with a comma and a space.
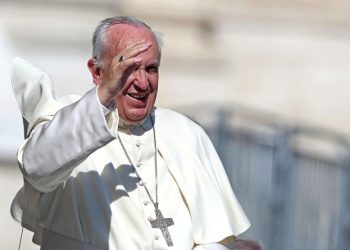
95, 70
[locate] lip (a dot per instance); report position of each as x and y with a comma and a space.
136, 100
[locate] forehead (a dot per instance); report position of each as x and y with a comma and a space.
121, 35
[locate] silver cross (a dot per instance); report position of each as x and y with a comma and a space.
163, 224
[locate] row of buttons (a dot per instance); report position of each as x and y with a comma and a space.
156, 237
146, 202
141, 183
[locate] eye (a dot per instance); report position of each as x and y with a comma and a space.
152, 69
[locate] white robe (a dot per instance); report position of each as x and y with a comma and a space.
75, 198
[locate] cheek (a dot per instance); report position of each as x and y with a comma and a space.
154, 82
127, 84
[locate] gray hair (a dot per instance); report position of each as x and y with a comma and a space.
99, 37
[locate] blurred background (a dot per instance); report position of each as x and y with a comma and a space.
269, 80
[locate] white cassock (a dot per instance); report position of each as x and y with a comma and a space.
81, 191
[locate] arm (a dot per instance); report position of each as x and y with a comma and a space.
58, 145
55, 148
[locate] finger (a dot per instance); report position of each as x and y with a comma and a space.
129, 63
123, 66
132, 44
135, 50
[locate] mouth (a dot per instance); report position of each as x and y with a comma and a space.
137, 100
141, 97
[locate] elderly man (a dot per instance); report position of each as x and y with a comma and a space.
111, 171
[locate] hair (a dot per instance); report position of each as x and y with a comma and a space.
99, 36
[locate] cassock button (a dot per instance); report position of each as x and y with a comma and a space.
156, 237
145, 202
138, 144
141, 183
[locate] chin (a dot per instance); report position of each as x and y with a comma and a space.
134, 113
135, 118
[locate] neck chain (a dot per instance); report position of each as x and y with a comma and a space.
154, 202
160, 222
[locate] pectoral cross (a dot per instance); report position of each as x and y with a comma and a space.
163, 224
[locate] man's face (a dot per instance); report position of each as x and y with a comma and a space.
139, 90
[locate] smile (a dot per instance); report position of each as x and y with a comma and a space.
138, 96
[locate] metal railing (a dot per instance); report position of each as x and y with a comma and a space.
292, 181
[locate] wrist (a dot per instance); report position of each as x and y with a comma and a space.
104, 96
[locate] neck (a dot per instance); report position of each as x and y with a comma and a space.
146, 123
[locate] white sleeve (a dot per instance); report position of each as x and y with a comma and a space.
50, 154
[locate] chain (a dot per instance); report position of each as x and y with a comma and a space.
155, 203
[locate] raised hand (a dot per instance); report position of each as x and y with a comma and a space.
116, 73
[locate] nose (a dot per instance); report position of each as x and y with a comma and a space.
141, 79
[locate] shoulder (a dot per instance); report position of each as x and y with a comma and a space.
172, 118
170, 122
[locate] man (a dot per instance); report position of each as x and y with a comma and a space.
110, 170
